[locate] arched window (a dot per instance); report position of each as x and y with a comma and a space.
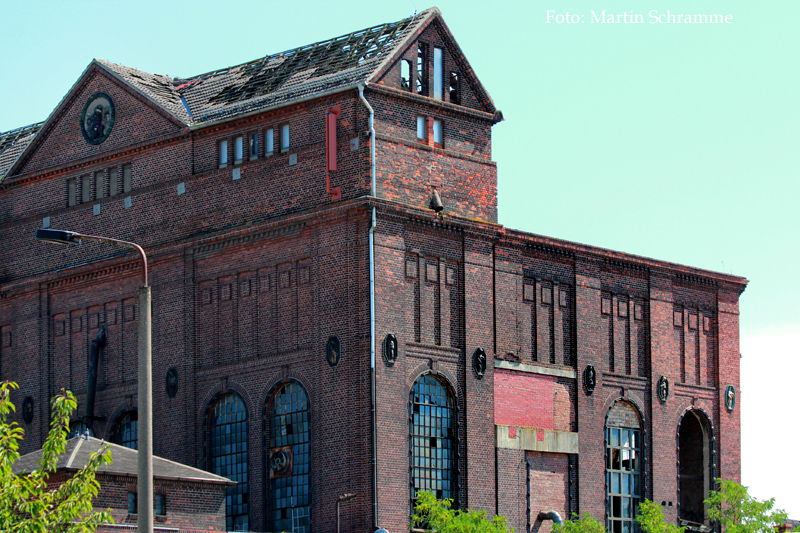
289, 459
624, 462
125, 433
78, 428
228, 452
432, 428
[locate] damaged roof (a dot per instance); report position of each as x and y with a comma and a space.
275, 80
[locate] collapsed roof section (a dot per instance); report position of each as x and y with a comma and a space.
13, 143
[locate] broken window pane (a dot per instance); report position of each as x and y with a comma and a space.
438, 134
253, 145
422, 69
405, 75
455, 96
438, 73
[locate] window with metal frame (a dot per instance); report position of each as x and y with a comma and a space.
126, 431
289, 459
624, 462
434, 447
228, 452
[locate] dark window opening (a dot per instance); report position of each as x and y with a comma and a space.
694, 470
228, 443
433, 448
289, 435
454, 89
253, 146
422, 69
160, 504
405, 75
132, 503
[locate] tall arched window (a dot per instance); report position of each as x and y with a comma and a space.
125, 433
228, 452
289, 459
432, 428
624, 462
695, 474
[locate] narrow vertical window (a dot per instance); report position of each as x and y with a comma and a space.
623, 467
113, 183
126, 432
132, 504
72, 192
284, 138
454, 89
422, 69
421, 128
438, 74
238, 150
223, 154
86, 189
270, 140
405, 75
160, 504
432, 424
253, 146
126, 178
228, 447
438, 133
98, 185
289, 459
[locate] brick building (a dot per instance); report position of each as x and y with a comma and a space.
186, 499
336, 309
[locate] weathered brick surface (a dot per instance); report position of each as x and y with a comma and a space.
251, 276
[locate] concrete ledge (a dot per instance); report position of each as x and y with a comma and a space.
563, 372
527, 439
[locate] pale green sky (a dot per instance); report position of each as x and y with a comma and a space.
672, 141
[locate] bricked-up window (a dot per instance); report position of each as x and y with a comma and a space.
270, 141
422, 69
86, 189
223, 154
432, 427
126, 431
422, 128
454, 88
438, 133
290, 456
127, 178
238, 150
405, 75
285, 138
72, 192
228, 452
113, 182
253, 146
438, 74
623, 468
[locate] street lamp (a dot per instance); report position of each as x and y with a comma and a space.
339, 500
145, 424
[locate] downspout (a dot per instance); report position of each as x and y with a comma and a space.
372, 311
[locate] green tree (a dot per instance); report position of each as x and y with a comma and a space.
651, 519
27, 504
738, 512
585, 524
437, 515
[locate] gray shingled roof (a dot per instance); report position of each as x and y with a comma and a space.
12, 144
77, 454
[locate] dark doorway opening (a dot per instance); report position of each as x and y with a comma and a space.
694, 459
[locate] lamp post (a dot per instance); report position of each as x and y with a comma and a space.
145, 424
339, 500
